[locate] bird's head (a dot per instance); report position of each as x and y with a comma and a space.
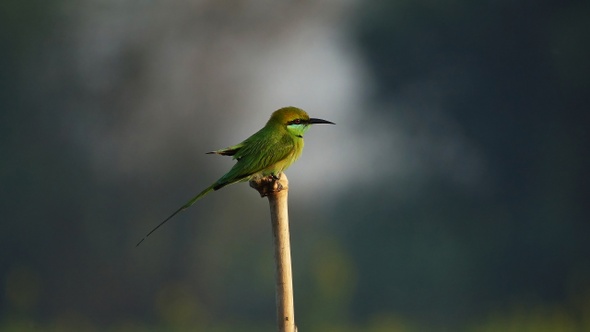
295, 120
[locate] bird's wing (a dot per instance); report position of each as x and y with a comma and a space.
260, 153
229, 151
256, 154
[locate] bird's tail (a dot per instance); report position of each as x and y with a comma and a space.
185, 206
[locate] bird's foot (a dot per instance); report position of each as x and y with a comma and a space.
277, 186
268, 185
276, 182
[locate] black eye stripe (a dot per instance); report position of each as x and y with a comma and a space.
296, 121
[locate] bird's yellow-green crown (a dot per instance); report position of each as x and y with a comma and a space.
288, 114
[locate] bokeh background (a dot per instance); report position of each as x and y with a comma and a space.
452, 195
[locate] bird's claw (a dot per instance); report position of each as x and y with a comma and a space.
276, 184
268, 184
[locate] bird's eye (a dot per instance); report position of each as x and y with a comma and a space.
297, 121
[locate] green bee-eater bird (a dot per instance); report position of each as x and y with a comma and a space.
268, 152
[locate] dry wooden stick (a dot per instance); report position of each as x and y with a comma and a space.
277, 193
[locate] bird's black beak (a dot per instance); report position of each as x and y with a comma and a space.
319, 121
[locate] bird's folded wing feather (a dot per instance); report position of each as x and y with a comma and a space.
259, 154
256, 154
229, 151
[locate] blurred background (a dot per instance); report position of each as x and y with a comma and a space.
452, 195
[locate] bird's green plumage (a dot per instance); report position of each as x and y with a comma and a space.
268, 152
